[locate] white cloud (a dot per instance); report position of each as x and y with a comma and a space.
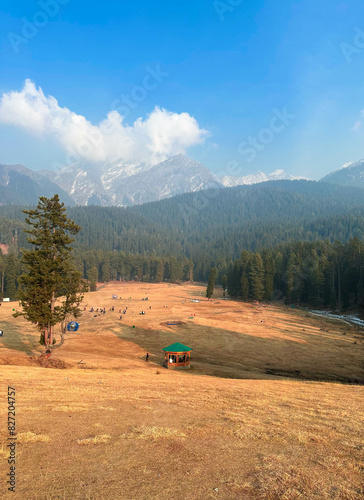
357, 125
150, 140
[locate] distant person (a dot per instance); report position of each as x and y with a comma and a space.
147, 357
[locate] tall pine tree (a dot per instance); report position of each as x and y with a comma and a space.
211, 283
51, 289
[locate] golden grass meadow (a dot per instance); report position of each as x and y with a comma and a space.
270, 409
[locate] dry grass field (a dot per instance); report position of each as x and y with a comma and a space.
262, 414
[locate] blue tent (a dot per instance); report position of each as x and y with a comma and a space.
73, 326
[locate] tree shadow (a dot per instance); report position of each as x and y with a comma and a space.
14, 339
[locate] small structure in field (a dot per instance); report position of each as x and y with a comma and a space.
177, 356
73, 326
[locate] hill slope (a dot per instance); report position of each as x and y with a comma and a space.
219, 223
19, 185
126, 429
351, 174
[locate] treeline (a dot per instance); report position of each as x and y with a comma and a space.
210, 228
319, 274
99, 266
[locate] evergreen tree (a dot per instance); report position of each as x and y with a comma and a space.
159, 270
175, 270
256, 277
244, 285
187, 270
244, 275
234, 287
290, 277
269, 272
316, 280
51, 289
11, 277
105, 270
211, 283
224, 282
92, 277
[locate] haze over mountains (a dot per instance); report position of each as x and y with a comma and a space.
126, 184
258, 177
350, 174
20, 185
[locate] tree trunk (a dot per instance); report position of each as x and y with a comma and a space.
63, 331
50, 336
45, 334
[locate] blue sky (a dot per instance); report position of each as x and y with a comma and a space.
234, 67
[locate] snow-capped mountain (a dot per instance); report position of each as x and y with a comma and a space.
350, 174
277, 175
120, 183
176, 175
96, 183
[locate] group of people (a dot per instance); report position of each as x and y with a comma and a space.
102, 310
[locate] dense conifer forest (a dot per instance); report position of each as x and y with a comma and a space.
288, 232
320, 274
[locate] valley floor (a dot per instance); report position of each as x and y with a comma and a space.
117, 427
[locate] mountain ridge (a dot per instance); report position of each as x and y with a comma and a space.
118, 183
20, 185
350, 174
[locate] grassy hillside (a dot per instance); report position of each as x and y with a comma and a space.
229, 338
136, 434
117, 427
